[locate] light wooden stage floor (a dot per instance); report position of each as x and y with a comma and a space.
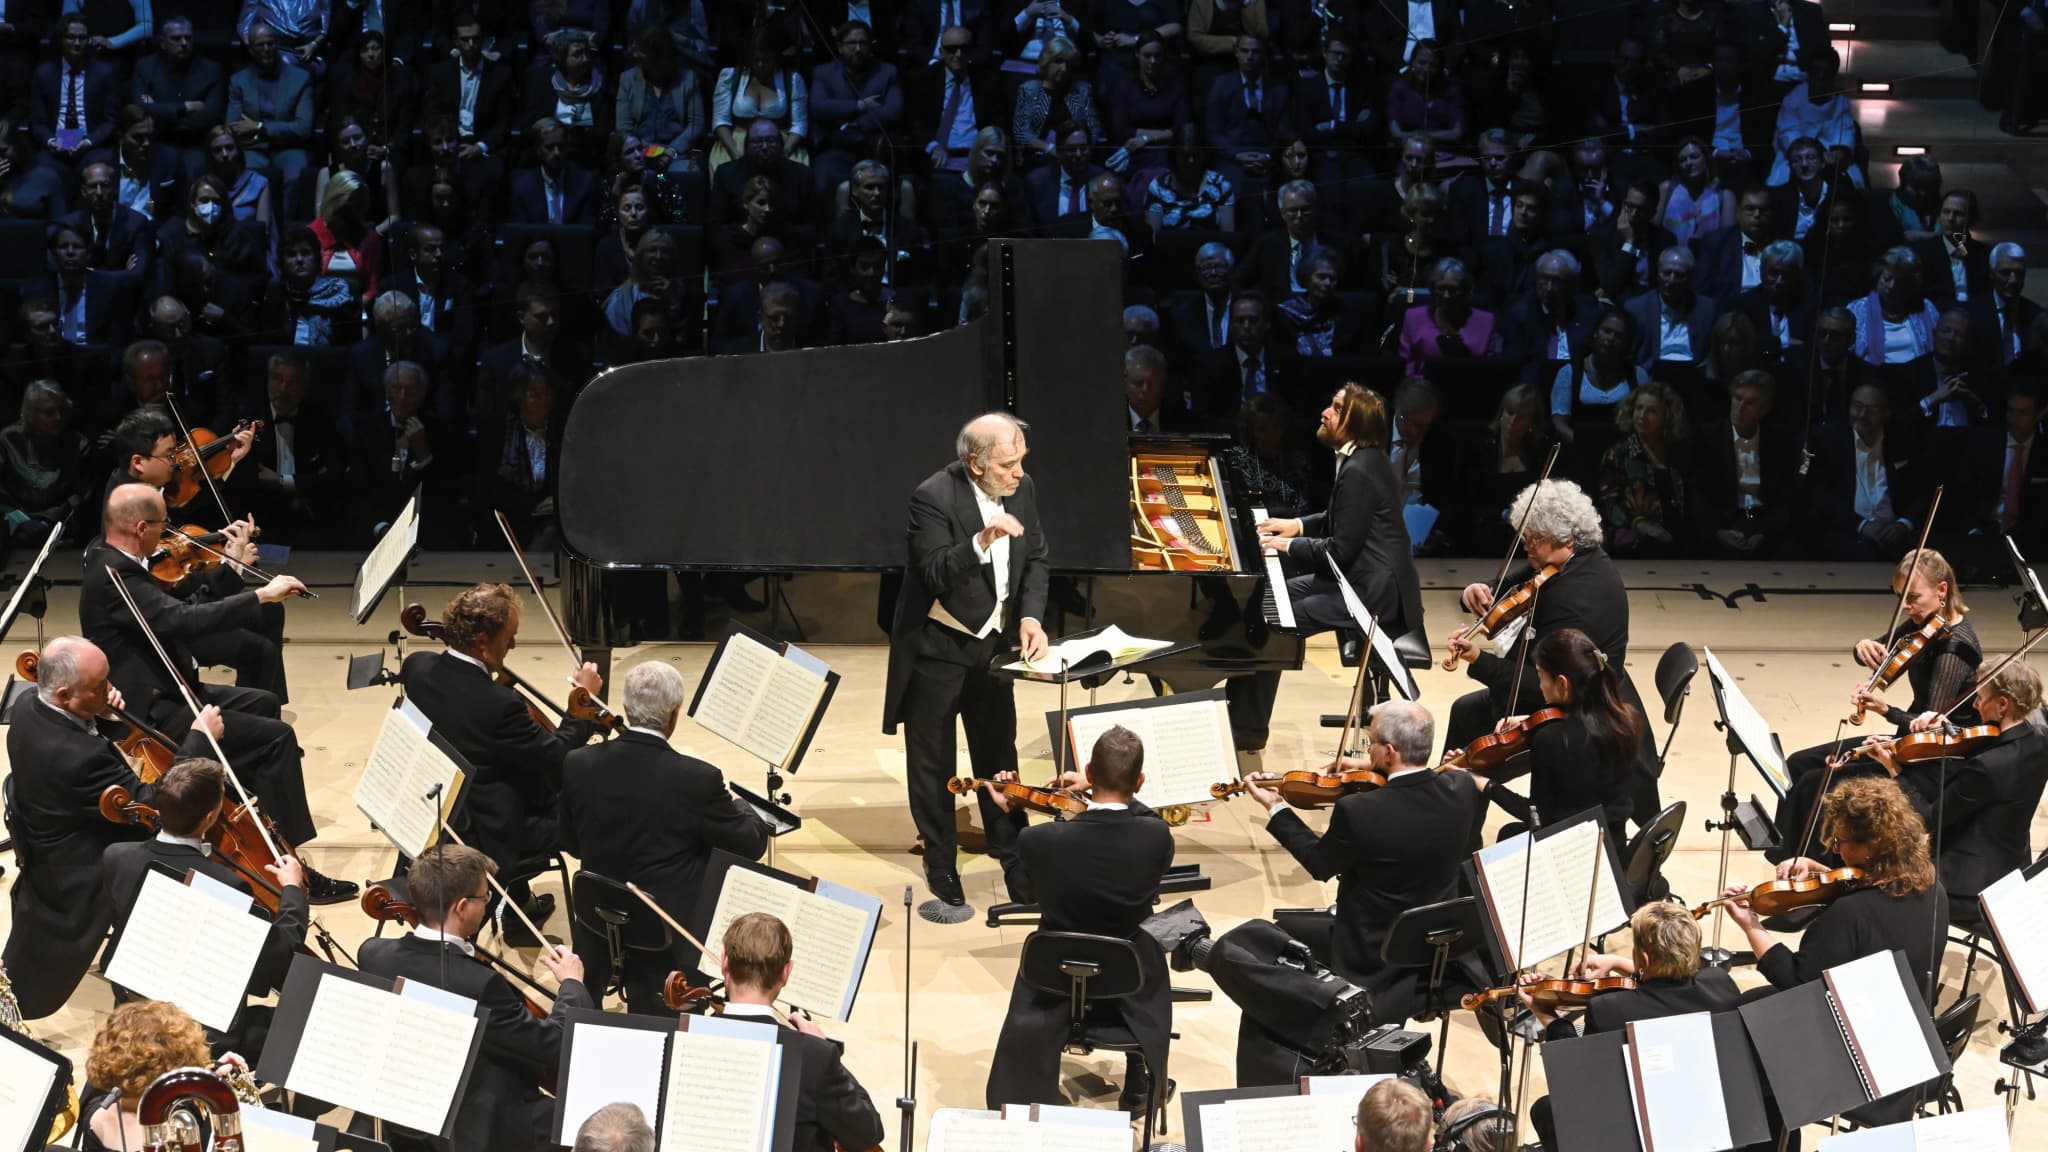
1789, 647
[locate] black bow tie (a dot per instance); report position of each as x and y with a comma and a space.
1751, 247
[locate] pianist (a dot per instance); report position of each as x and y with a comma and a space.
976, 576
1363, 531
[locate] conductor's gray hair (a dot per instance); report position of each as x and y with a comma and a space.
620, 1127
60, 667
978, 437
1407, 726
2008, 251
654, 690
1563, 515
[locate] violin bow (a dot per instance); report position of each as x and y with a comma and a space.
1592, 894
1357, 691
192, 702
500, 888
197, 462
2038, 635
703, 953
249, 570
1500, 578
1906, 586
547, 609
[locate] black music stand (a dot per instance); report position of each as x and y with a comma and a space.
1430, 936
1744, 817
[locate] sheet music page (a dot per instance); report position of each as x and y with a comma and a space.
385, 558
1188, 747
397, 1058
1890, 1138
1292, 1123
403, 767
1507, 867
266, 1131
944, 1120
612, 1064
1354, 1086
26, 1077
28, 579
721, 1093
1883, 1023
999, 1135
1675, 1079
1067, 1114
831, 934
183, 946
1111, 641
1749, 725
757, 700
1974, 1130
744, 891
1218, 1133
2018, 911
1581, 866
782, 711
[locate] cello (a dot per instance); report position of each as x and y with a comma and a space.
237, 838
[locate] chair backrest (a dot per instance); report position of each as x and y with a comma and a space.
1413, 648
21, 844
1081, 966
1955, 1025
1651, 847
1415, 935
604, 907
1675, 670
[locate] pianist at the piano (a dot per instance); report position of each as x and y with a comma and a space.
1363, 531
976, 576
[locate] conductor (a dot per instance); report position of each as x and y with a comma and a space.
976, 576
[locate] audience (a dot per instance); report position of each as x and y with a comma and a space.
1642, 475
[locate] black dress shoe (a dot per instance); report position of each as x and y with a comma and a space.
539, 908
517, 936
945, 885
327, 890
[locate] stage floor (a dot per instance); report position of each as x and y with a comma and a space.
1783, 630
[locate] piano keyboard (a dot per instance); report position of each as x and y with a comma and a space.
1279, 609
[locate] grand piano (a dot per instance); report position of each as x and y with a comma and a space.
805, 461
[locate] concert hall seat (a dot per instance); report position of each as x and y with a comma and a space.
605, 915
1089, 972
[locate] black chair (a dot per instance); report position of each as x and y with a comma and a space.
1953, 1028
608, 915
1969, 928
1093, 973
1429, 937
1675, 670
1647, 851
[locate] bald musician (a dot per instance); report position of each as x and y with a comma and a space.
62, 756
262, 749
976, 576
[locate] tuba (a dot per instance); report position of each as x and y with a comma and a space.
165, 1112
10, 1018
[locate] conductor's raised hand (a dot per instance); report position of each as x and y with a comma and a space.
1032, 639
1003, 525
1476, 598
279, 588
565, 965
588, 679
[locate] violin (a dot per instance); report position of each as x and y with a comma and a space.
1508, 607
202, 451
148, 749
1905, 650
582, 705
1775, 897
682, 996
1056, 802
1552, 995
180, 553
1306, 789
1497, 748
235, 838
1920, 747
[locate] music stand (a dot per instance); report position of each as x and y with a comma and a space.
1431, 935
2032, 600
1743, 728
382, 569
32, 597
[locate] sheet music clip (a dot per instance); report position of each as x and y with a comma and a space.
367, 671
2032, 600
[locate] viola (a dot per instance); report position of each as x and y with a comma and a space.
148, 749
1508, 607
1306, 789
204, 451
1921, 747
180, 553
1552, 995
1905, 650
235, 838
682, 996
1497, 748
582, 705
1775, 897
1045, 801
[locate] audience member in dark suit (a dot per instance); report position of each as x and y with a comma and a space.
1319, 321
635, 810
855, 104
1099, 874
1781, 307
918, 29
792, 181
1061, 188
272, 105
1745, 476
1199, 321
1626, 106
1736, 122
93, 307
2008, 325
554, 191
122, 239
441, 296
304, 307
2002, 484
396, 335
518, 459
1507, 261
1393, 33
1552, 322
1226, 379
737, 327
1151, 404
295, 481
1731, 259
1336, 113
540, 345
502, 1108
1247, 116
399, 448
1871, 486
74, 98
952, 102
1107, 219
1948, 390
1957, 263
190, 799
1273, 263
1625, 245
61, 763
832, 1109
167, 83
471, 177
1673, 322
1776, 38
195, 364
854, 313
487, 124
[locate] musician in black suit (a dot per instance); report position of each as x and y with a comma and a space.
60, 763
1746, 472
1098, 873
1363, 531
1900, 906
509, 802
636, 810
976, 576
1390, 849
502, 1108
191, 798
833, 1111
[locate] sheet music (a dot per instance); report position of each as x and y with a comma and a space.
381, 566
266, 1131
26, 1078
403, 767
612, 1064
1112, 641
1883, 1023
721, 1092
975, 1134
1354, 1086
1218, 1134
1559, 880
184, 946
758, 700
744, 891
1188, 746
1675, 1080
1382, 644
397, 1058
1974, 1130
1749, 725
1291, 1123
2018, 911
833, 931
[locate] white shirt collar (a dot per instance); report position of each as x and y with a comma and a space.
1109, 806
193, 842
1739, 438
1347, 448
74, 717
2022, 445
434, 935
466, 658
647, 732
1408, 772
763, 1011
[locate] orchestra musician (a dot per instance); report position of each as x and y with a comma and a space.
1669, 982
1899, 903
507, 809
976, 577
617, 1127
1559, 527
1586, 759
1393, 1116
145, 444
262, 747
502, 1109
1940, 678
190, 799
1363, 531
830, 1105
138, 1042
1097, 873
60, 763
636, 810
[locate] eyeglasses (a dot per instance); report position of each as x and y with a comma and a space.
952, 49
